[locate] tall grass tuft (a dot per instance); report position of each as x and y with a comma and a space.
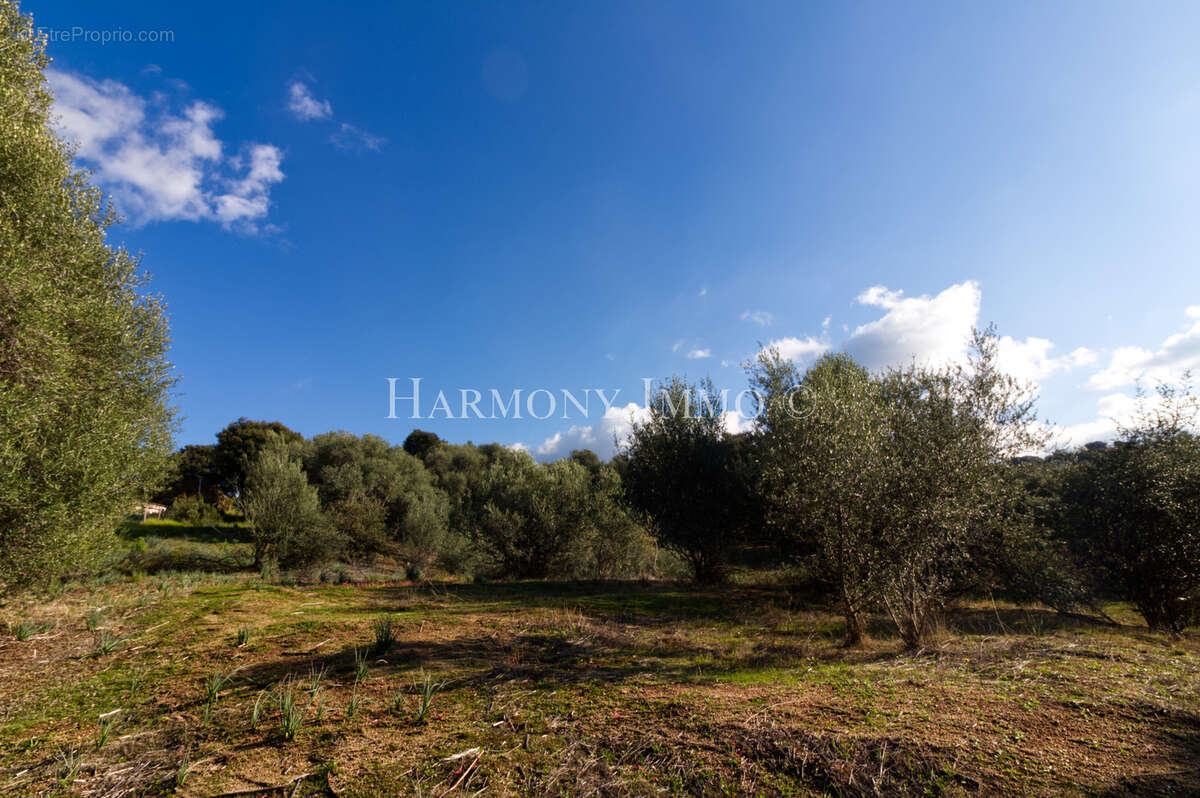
360, 665
244, 634
426, 690
93, 619
213, 686
107, 723
385, 635
69, 761
23, 630
107, 642
257, 710
291, 713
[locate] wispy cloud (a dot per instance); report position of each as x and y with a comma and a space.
699, 354
304, 105
349, 137
760, 317
307, 107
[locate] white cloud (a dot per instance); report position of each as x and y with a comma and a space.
160, 165
760, 317
349, 137
932, 330
676, 345
304, 105
1030, 360
1113, 411
603, 438
799, 349
699, 354
1128, 364
825, 322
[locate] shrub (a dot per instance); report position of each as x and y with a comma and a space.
194, 511
289, 526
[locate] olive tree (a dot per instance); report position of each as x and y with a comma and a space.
823, 444
1135, 509
378, 495
85, 426
684, 471
952, 432
289, 528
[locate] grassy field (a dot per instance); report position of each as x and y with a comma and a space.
224, 685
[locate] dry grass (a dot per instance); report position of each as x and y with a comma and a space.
589, 689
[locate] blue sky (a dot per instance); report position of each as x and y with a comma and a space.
581, 195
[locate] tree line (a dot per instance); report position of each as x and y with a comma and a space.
892, 493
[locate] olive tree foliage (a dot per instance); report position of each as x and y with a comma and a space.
823, 471
558, 520
895, 482
379, 496
288, 526
952, 434
687, 474
85, 426
1135, 509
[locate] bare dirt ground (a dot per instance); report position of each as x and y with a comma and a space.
144, 688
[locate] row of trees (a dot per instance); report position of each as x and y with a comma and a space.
903, 490
470, 509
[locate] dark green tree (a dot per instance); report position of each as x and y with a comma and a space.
419, 443
85, 426
683, 472
1135, 510
380, 496
238, 445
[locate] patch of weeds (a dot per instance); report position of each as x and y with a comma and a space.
23, 630
291, 713
107, 642
184, 770
136, 683
69, 762
93, 619
355, 703
426, 690
257, 710
244, 633
107, 723
360, 665
384, 629
213, 686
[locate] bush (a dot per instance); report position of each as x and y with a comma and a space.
559, 521
194, 511
289, 526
